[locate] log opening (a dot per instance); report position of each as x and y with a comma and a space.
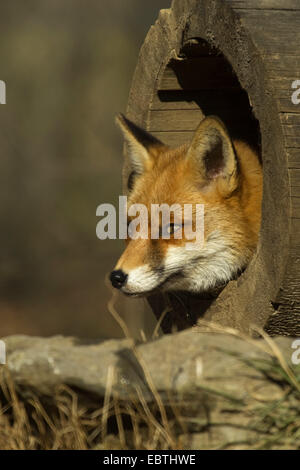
200, 82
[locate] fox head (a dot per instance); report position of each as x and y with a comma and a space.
222, 175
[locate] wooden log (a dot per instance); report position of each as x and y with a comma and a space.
236, 59
174, 138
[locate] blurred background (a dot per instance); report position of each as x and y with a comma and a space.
68, 66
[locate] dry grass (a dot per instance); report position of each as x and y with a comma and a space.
73, 421
70, 420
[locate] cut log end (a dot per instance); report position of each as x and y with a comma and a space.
236, 60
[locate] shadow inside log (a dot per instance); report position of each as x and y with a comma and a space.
180, 310
205, 77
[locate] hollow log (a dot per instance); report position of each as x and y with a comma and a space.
236, 59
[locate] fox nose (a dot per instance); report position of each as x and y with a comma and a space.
118, 278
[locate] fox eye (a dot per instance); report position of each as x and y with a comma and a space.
170, 229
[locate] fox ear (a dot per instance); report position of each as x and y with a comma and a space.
139, 142
213, 152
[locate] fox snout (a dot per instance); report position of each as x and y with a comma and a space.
118, 278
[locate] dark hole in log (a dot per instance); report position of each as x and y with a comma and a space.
200, 83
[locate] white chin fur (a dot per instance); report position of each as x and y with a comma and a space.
141, 279
217, 265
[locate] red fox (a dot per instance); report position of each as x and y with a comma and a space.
223, 175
